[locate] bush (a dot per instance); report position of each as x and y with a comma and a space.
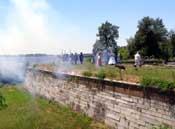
101, 74
163, 85
87, 73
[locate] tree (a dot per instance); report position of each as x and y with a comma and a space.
151, 32
173, 44
131, 47
98, 46
172, 41
108, 34
166, 50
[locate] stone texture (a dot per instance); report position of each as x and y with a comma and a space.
117, 109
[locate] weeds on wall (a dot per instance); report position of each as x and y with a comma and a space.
101, 74
163, 85
87, 73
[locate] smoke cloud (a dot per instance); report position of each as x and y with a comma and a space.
12, 69
33, 26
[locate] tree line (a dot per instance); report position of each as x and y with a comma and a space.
151, 39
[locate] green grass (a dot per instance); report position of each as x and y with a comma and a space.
158, 72
163, 85
161, 75
24, 111
101, 74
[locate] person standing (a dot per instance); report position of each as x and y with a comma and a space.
93, 56
105, 57
76, 58
112, 59
137, 59
118, 58
99, 60
81, 58
71, 58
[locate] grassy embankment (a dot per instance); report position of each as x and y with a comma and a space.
160, 76
24, 111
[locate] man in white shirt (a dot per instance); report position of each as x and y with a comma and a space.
137, 58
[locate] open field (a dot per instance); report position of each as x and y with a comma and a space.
24, 111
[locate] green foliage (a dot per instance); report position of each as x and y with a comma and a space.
172, 42
124, 52
101, 74
87, 73
131, 47
108, 34
163, 85
151, 32
166, 51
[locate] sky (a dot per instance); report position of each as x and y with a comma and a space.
56, 26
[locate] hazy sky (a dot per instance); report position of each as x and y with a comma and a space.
50, 26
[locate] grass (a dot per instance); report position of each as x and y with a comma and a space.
163, 85
131, 74
160, 75
24, 111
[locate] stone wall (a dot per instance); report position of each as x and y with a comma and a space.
119, 105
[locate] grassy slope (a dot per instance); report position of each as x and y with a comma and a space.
27, 112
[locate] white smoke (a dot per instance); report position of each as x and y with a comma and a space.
12, 69
33, 26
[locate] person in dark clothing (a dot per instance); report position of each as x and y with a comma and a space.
81, 58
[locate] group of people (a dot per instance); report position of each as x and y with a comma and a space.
105, 57
73, 58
